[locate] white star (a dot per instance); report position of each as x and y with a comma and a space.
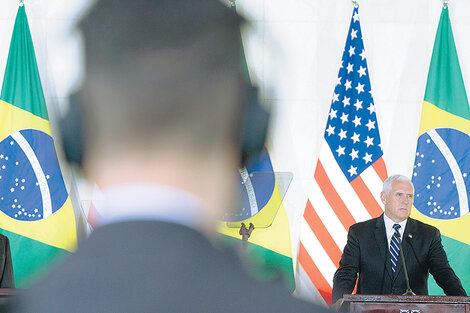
340, 151
335, 97
332, 113
361, 71
356, 17
357, 121
344, 118
352, 171
370, 125
346, 101
367, 158
347, 84
1, 156
353, 154
360, 88
351, 51
342, 134
371, 108
355, 138
353, 34
369, 141
12, 189
330, 130
363, 55
358, 105
350, 68
47, 176
338, 82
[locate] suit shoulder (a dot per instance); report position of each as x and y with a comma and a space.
365, 224
423, 227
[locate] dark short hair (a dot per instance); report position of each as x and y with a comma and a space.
162, 70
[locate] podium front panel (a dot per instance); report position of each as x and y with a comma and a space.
405, 304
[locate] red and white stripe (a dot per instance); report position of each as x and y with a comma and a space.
333, 205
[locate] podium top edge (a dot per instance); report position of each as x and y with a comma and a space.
406, 299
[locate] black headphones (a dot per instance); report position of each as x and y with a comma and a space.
253, 130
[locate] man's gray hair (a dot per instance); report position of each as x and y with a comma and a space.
387, 186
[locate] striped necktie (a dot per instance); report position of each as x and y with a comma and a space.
395, 248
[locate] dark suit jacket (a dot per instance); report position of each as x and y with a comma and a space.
150, 266
366, 254
6, 267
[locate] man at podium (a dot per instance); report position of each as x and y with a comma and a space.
372, 253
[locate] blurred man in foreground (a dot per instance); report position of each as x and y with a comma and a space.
163, 104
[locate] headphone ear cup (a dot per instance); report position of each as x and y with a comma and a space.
70, 127
254, 129
255, 123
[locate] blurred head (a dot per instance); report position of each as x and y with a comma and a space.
161, 74
397, 196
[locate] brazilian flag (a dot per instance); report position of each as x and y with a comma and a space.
441, 173
36, 212
268, 248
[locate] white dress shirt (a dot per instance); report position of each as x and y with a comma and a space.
149, 202
389, 230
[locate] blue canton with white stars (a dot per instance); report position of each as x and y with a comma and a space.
436, 192
352, 131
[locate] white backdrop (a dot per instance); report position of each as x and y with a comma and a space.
293, 50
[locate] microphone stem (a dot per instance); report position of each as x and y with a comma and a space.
408, 289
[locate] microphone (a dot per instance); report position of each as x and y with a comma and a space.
408, 292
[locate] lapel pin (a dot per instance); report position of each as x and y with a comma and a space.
410, 236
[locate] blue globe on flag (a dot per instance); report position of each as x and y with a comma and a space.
440, 174
31, 183
257, 184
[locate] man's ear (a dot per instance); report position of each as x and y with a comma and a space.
382, 197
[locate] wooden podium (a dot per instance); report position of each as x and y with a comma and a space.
405, 304
6, 294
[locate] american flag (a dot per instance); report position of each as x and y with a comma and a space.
349, 172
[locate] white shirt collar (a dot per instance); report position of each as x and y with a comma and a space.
149, 202
389, 228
